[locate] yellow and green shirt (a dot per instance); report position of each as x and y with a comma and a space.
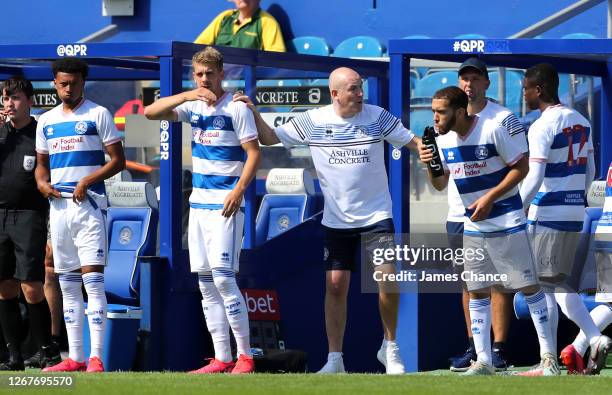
261, 31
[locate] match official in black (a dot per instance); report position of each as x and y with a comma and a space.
23, 224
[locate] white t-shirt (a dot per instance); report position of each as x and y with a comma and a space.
562, 139
477, 163
75, 143
503, 117
348, 154
218, 157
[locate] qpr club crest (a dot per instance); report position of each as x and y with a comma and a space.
218, 123
481, 152
194, 118
283, 222
125, 235
28, 162
81, 127
362, 131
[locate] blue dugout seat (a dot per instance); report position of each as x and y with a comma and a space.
584, 275
288, 202
428, 85
310, 45
132, 232
359, 47
274, 83
514, 92
419, 118
471, 36
575, 36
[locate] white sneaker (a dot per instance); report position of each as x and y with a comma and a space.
479, 369
333, 366
389, 356
548, 366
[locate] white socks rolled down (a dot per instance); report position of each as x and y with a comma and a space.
480, 314
602, 317
74, 310
216, 320
538, 308
96, 311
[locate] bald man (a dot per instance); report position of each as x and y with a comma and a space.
346, 144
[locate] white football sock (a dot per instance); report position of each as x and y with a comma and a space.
553, 317
74, 311
480, 314
96, 311
573, 307
235, 308
602, 317
216, 320
538, 308
332, 356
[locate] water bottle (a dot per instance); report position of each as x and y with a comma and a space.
429, 141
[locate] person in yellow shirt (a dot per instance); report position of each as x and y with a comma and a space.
248, 26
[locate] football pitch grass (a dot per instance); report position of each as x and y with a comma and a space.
436, 382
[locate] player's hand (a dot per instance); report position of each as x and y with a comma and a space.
425, 154
241, 96
232, 202
48, 191
80, 192
3, 117
203, 94
482, 208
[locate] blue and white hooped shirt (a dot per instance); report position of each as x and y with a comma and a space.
477, 162
218, 157
560, 138
75, 142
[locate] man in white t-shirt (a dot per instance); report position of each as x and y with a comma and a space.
346, 140
561, 169
474, 81
222, 132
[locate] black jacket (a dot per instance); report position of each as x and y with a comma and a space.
17, 163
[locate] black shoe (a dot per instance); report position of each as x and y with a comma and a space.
33, 361
46, 356
4, 355
499, 359
462, 363
12, 365
50, 355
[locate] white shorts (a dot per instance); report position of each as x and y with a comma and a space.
604, 276
214, 240
554, 251
78, 233
508, 256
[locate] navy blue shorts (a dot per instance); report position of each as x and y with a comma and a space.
342, 247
